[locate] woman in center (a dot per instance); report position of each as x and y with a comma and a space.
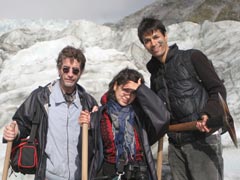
130, 120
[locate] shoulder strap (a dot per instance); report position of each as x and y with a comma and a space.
35, 122
33, 133
189, 66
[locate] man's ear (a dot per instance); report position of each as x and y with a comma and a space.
166, 36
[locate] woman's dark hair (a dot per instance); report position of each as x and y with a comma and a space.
72, 53
122, 78
148, 25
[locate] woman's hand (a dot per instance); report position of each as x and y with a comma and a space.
94, 109
132, 85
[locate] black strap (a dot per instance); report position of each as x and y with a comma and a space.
35, 122
33, 133
120, 165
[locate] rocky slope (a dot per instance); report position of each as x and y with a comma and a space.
176, 11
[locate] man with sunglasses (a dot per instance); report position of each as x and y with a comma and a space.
56, 107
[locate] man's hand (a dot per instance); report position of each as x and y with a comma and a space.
10, 131
202, 124
84, 118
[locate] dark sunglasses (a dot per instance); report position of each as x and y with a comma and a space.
75, 71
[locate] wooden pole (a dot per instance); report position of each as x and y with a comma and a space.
85, 151
7, 157
187, 126
160, 158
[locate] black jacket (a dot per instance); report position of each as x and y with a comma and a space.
189, 85
36, 106
173, 82
152, 120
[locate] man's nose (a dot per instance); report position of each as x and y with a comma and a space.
153, 42
70, 73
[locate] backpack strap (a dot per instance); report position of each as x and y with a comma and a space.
35, 122
33, 133
190, 68
187, 62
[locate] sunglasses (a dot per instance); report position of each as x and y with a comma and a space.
75, 71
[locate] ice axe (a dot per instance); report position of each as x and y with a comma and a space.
84, 151
7, 157
160, 158
228, 123
85, 144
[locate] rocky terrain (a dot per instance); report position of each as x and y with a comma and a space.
176, 11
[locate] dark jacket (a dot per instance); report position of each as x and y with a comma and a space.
36, 106
188, 83
152, 120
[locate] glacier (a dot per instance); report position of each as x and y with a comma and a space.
29, 48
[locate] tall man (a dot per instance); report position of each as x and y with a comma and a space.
188, 83
57, 106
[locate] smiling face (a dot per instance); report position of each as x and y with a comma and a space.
123, 95
156, 44
69, 73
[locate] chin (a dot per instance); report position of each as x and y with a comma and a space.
158, 55
69, 85
123, 104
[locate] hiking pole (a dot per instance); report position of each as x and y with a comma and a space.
160, 158
85, 151
7, 157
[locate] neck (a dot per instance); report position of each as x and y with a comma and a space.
163, 58
67, 90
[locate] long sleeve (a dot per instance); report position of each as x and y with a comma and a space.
157, 117
212, 83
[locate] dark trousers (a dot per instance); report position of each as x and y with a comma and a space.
198, 160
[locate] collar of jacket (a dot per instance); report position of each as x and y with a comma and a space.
154, 64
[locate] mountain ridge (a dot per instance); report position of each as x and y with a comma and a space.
171, 12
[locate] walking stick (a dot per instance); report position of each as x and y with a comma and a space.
7, 157
159, 158
85, 151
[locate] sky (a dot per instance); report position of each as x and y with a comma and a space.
98, 11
